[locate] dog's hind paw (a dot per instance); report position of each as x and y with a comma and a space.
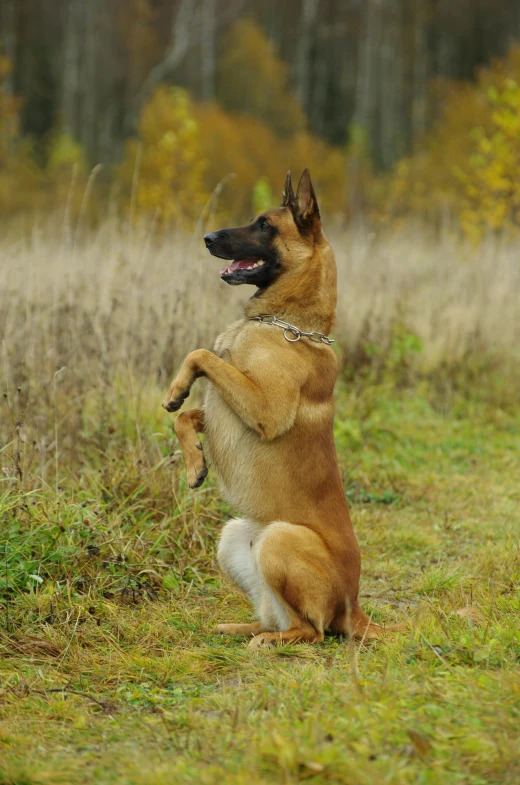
261, 641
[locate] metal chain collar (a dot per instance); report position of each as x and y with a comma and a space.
290, 329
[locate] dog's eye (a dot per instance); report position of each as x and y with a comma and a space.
262, 224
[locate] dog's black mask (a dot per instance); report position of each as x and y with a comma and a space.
252, 251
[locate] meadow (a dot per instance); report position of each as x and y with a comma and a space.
110, 666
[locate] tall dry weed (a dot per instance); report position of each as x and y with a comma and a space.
93, 326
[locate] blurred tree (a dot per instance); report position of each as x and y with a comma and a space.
251, 150
209, 42
9, 119
302, 71
163, 169
241, 145
490, 175
468, 166
20, 179
86, 69
253, 79
262, 196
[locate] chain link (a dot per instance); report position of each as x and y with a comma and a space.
290, 329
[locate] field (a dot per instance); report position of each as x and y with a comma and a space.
110, 667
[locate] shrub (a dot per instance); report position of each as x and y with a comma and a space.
253, 79
163, 169
20, 179
468, 166
250, 149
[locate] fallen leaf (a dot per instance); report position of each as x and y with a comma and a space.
471, 614
314, 766
421, 744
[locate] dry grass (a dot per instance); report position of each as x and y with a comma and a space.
110, 670
91, 319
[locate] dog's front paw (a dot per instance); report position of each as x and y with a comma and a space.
175, 398
195, 479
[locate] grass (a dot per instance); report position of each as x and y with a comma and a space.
110, 668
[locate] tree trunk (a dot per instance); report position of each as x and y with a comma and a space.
303, 53
208, 58
392, 111
316, 107
70, 98
420, 72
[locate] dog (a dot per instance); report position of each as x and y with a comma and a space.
268, 430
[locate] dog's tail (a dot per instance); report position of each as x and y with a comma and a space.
359, 626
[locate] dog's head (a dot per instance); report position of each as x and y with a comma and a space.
274, 243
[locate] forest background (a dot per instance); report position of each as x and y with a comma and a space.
400, 108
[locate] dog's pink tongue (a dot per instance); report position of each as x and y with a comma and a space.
237, 266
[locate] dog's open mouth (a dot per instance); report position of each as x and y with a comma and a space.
245, 265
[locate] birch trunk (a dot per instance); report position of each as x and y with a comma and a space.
70, 98
208, 55
303, 54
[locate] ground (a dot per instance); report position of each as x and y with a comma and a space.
111, 669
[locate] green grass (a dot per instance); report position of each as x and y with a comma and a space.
110, 668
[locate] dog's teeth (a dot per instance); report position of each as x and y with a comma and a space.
254, 266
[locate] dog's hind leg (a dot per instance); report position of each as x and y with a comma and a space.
354, 623
187, 427
299, 576
237, 556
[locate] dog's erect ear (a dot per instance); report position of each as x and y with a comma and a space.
306, 205
288, 195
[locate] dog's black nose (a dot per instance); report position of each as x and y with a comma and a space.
209, 239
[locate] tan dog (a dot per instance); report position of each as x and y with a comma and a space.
268, 427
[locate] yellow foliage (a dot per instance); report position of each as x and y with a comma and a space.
427, 183
65, 173
247, 147
327, 165
469, 165
19, 176
64, 155
253, 79
492, 180
163, 169
239, 145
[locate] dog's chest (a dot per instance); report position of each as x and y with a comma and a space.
229, 443
224, 429
226, 341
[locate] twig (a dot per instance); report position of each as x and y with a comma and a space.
105, 705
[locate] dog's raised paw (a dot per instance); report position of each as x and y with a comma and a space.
201, 476
172, 406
